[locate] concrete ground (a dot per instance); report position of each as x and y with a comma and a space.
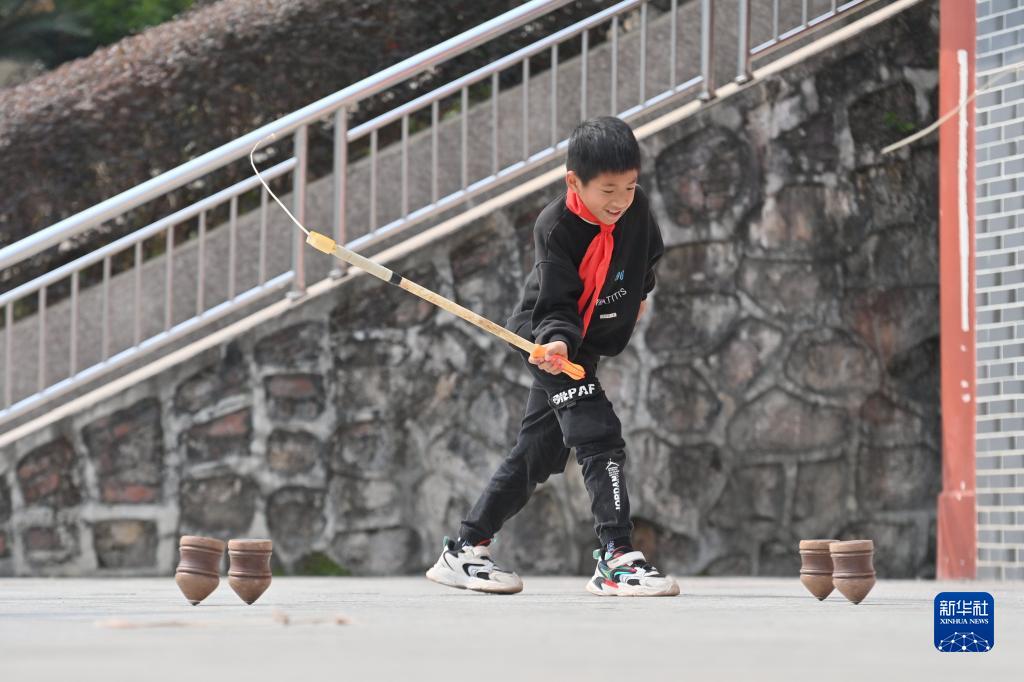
410, 629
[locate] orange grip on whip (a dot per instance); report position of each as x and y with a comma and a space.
572, 369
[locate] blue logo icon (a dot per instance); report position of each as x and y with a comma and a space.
964, 622
620, 275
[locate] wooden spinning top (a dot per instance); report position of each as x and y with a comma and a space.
249, 574
198, 572
853, 573
816, 567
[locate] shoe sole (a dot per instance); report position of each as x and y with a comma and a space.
451, 579
629, 591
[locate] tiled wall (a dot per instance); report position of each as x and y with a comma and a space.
1000, 289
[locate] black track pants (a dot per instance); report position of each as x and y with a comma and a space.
560, 414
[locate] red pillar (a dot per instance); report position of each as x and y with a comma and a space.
957, 515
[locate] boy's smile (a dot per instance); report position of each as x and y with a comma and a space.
607, 195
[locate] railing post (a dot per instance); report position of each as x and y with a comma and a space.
299, 209
743, 61
707, 49
340, 183
9, 355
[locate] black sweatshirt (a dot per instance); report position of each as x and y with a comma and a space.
549, 309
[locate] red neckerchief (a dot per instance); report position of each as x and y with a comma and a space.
594, 267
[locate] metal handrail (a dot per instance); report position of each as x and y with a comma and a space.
144, 233
496, 66
778, 39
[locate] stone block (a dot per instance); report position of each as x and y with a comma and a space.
778, 559
229, 435
820, 498
752, 502
914, 373
221, 505
125, 543
388, 551
439, 502
523, 216
708, 177
296, 518
372, 304
383, 348
893, 321
801, 220
365, 504
778, 421
699, 267
620, 378
293, 452
697, 474
848, 77
5, 500
401, 392
370, 449
883, 116
676, 484
296, 346
831, 362
481, 276
127, 449
809, 148
887, 424
745, 355
50, 545
492, 409
364, 391
210, 385
690, 324
899, 478
47, 476
790, 290
541, 523
900, 192
900, 255
681, 400
295, 396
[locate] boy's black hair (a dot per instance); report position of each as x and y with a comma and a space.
602, 145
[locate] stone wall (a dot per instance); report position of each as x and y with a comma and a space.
783, 385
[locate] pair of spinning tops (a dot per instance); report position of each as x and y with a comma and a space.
831, 564
198, 572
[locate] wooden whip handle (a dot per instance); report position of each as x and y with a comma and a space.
323, 243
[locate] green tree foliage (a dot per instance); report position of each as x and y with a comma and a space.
111, 20
54, 31
32, 30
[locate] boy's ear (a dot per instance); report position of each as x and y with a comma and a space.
572, 181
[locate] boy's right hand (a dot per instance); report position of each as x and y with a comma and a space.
548, 363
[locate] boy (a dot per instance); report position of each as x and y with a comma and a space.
597, 245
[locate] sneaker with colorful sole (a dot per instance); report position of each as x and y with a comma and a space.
471, 568
629, 574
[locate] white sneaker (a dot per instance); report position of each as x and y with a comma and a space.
471, 568
629, 574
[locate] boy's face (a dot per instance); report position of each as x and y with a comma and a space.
607, 195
